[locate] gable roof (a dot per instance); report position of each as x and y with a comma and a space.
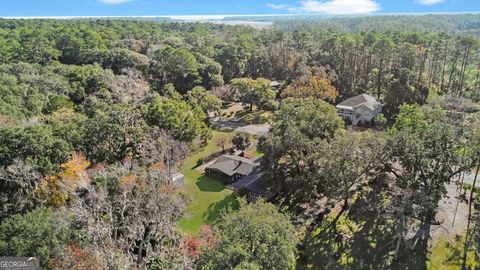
275, 84
230, 165
252, 181
255, 184
360, 100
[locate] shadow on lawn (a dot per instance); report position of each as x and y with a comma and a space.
346, 246
215, 210
363, 239
208, 184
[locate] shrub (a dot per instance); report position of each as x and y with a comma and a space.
199, 162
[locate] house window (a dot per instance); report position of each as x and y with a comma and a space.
254, 195
344, 112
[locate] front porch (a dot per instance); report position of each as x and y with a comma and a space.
227, 179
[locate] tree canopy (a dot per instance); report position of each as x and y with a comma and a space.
97, 115
257, 236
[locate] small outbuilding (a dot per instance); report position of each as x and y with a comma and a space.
178, 180
359, 109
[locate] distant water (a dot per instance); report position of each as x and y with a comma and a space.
263, 21
240, 22
255, 20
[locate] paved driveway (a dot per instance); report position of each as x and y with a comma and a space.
254, 129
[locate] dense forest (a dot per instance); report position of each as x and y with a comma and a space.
97, 115
450, 24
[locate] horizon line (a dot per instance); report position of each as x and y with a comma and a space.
224, 16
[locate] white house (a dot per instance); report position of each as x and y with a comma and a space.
359, 109
276, 86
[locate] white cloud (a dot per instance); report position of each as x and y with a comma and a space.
333, 6
114, 2
428, 2
275, 6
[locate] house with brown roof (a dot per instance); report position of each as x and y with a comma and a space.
230, 168
359, 109
243, 175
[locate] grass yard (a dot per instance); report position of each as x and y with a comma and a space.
255, 117
447, 254
254, 153
208, 196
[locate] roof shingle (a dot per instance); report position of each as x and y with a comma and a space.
230, 165
363, 99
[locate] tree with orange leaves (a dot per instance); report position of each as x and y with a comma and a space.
75, 257
204, 242
314, 86
55, 189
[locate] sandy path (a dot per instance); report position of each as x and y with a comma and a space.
446, 215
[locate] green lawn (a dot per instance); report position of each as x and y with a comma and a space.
256, 116
254, 153
447, 254
208, 196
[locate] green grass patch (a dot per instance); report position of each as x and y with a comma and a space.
324, 248
447, 254
209, 198
250, 117
469, 187
257, 117
254, 153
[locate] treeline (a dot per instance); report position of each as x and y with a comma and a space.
455, 24
396, 66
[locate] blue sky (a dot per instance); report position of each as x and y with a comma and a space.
222, 7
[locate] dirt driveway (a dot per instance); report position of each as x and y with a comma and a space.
450, 209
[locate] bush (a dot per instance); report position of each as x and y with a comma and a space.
242, 192
380, 120
37, 233
200, 162
258, 225
241, 141
59, 102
